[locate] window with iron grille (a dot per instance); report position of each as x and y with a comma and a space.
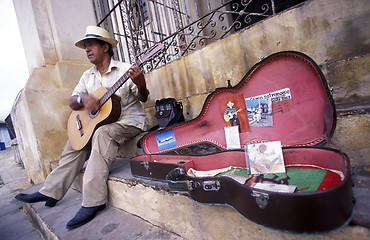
183, 26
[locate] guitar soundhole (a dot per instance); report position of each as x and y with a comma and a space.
94, 114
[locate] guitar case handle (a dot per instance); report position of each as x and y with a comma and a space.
175, 174
174, 183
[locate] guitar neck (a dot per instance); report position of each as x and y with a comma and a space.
151, 52
117, 85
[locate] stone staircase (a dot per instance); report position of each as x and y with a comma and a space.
111, 223
145, 209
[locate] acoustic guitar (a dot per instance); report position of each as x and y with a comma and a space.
229, 116
82, 123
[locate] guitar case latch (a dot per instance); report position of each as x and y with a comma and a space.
262, 199
211, 186
185, 185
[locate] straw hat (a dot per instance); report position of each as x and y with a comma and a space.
94, 32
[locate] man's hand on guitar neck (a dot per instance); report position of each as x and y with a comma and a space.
86, 101
138, 78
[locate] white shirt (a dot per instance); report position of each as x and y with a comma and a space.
132, 111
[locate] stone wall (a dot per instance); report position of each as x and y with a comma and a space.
49, 30
336, 38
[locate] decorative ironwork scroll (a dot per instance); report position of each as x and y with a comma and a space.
183, 26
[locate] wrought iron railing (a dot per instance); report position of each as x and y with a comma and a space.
183, 26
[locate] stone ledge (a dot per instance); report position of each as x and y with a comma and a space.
352, 108
176, 212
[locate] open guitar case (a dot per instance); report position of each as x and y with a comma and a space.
302, 122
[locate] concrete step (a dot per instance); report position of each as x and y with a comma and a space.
111, 223
15, 225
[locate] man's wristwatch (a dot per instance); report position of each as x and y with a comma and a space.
79, 100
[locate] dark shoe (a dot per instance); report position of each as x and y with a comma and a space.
36, 197
84, 215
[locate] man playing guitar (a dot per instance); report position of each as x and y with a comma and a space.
231, 115
102, 149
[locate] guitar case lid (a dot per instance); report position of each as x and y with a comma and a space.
303, 111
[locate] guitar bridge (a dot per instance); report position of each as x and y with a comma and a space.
79, 125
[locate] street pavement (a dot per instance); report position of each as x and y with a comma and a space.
109, 224
14, 223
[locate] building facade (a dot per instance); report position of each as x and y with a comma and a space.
337, 39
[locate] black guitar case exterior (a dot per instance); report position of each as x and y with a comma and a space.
303, 121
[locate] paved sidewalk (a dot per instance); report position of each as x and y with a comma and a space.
14, 223
109, 224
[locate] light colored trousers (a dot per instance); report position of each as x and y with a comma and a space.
103, 152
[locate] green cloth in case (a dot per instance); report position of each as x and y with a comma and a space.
306, 179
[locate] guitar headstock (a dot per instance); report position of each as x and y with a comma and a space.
151, 52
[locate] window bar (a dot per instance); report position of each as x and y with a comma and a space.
159, 28
107, 15
115, 28
119, 24
124, 27
145, 41
151, 26
166, 12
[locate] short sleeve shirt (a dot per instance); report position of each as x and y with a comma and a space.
132, 112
